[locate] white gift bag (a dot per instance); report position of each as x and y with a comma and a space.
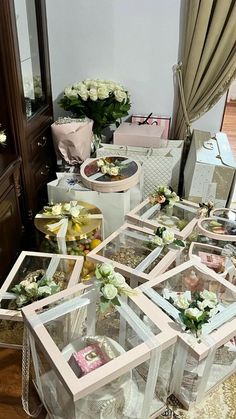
161, 166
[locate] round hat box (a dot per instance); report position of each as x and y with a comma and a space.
125, 174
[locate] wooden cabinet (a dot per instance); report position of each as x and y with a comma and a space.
25, 105
10, 220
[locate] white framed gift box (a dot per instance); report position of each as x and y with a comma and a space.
63, 268
200, 363
127, 249
181, 218
131, 378
114, 205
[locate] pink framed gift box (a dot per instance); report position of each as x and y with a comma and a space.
109, 365
65, 271
214, 257
224, 213
128, 250
181, 218
162, 121
202, 362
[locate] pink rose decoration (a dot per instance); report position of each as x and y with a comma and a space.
160, 199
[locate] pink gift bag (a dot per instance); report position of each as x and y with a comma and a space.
72, 139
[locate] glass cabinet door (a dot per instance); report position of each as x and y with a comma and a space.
26, 21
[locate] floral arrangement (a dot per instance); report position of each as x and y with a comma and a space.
205, 208
33, 289
196, 309
106, 167
112, 284
105, 102
77, 214
164, 196
3, 137
164, 236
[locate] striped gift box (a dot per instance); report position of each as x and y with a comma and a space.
162, 121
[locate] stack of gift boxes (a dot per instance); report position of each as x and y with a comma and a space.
169, 329
173, 333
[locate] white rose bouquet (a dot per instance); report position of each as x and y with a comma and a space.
164, 196
105, 102
196, 310
164, 236
112, 285
38, 287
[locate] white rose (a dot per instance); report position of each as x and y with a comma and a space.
56, 209
75, 211
120, 95
181, 302
104, 270
167, 191
193, 313
113, 171
93, 94
94, 83
25, 283
3, 137
118, 280
208, 295
174, 196
109, 291
208, 303
171, 202
105, 169
158, 241
79, 85
69, 92
168, 236
32, 289
100, 163
83, 93
66, 207
87, 83
103, 92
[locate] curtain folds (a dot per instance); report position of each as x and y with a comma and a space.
209, 58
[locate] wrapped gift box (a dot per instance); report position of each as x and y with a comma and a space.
114, 206
129, 251
134, 383
181, 218
65, 272
201, 362
210, 169
161, 121
138, 135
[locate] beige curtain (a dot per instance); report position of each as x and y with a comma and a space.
208, 58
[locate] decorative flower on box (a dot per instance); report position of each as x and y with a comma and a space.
196, 309
34, 287
76, 214
164, 236
112, 285
107, 166
205, 208
3, 137
105, 102
164, 196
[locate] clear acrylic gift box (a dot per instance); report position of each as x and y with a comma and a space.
64, 270
128, 250
221, 229
181, 218
225, 213
203, 361
123, 359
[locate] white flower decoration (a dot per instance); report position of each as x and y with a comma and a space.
193, 313
181, 302
109, 291
118, 280
100, 163
56, 209
168, 236
157, 240
113, 171
120, 95
75, 211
